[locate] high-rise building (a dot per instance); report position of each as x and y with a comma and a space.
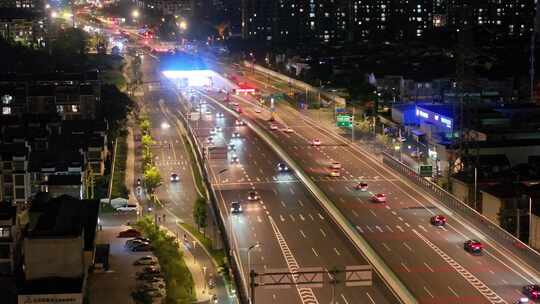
329, 21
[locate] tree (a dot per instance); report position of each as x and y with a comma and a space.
115, 108
200, 213
152, 178
145, 125
70, 41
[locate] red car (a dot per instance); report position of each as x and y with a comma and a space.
379, 198
129, 233
438, 220
473, 246
532, 291
361, 186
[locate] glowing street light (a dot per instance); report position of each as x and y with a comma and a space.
183, 25
54, 14
135, 14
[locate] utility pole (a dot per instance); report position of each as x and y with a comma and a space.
352, 124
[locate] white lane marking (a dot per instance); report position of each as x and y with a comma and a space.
394, 213
355, 213
300, 202
283, 204
407, 246
259, 219
359, 229
428, 292
429, 267
389, 228
400, 218
405, 267
302, 233
292, 218
370, 298
379, 228
369, 228
489, 294
320, 216
372, 212
422, 227
453, 291
306, 294
281, 218
291, 190
337, 251
399, 228
386, 247
314, 252
344, 299
407, 224
322, 231
302, 217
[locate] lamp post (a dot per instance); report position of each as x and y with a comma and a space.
135, 15
252, 293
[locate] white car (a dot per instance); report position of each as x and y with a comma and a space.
316, 142
126, 208
288, 130
239, 122
335, 173
219, 115
273, 127
258, 110
335, 165
253, 196
175, 177
235, 134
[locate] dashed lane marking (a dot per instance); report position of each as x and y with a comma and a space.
482, 288
306, 294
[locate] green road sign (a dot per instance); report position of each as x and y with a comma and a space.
426, 170
344, 120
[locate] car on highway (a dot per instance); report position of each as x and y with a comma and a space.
175, 177
234, 103
522, 300
238, 109
148, 276
235, 134
217, 129
239, 122
438, 220
219, 115
258, 110
253, 196
273, 127
282, 167
288, 130
532, 291
129, 233
146, 260
361, 186
473, 246
379, 198
335, 165
209, 140
316, 142
334, 173
208, 112
142, 248
236, 208
234, 159
139, 182
127, 208
211, 282
232, 147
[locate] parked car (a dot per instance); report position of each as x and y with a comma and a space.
151, 269
142, 248
148, 276
127, 208
129, 233
146, 260
130, 242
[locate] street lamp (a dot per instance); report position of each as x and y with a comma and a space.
182, 25
256, 245
135, 14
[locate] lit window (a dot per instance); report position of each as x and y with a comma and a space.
6, 110
60, 109
5, 232
75, 108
